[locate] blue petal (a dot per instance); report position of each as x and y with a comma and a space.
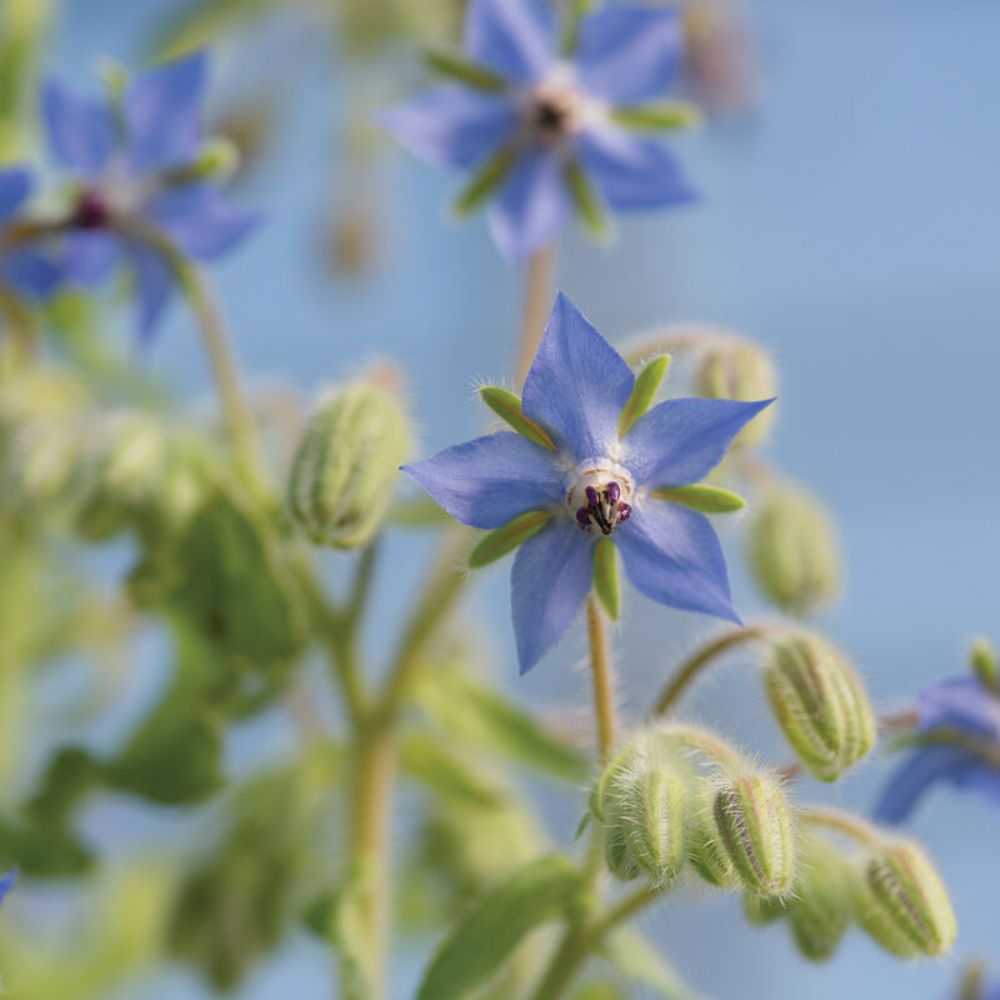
629, 53
15, 183
577, 385
201, 220
961, 703
531, 207
31, 272
82, 133
154, 284
516, 38
89, 256
673, 556
632, 174
915, 776
680, 441
550, 581
452, 126
163, 113
7, 882
491, 480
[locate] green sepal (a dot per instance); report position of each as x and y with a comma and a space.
643, 393
659, 117
507, 405
702, 498
606, 577
575, 12
485, 181
985, 665
586, 200
503, 540
462, 70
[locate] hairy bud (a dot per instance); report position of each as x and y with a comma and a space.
740, 370
902, 902
820, 704
755, 826
793, 551
343, 474
821, 908
708, 855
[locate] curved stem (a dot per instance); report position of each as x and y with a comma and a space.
841, 822
538, 294
602, 674
704, 656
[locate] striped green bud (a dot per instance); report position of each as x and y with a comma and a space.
763, 910
820, 704
737, 369
902, 902
755, 827
820, 909
708, 855
793, 550
344, 470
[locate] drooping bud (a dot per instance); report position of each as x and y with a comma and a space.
755, 826
763, 910
820, 704
793, 550
902, 902
343, 473
708, 855
738, 369
820, 909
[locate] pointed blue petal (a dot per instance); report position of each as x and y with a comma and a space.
154, 284
680, 441
673, 556
629, 53
452, 126
961, 703
31, 272
82, 133
89, 256
7, 882
516, 38
491, 480
531, 207
163, 113
577, 385
914, 777
632, 174
201, 221
550, 581
15, 183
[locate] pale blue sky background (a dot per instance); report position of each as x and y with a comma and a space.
854, 229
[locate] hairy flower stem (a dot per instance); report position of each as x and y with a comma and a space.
841, 822
601, 670
539, 282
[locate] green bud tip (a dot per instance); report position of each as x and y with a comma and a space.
983, 658
738, 369
820, 908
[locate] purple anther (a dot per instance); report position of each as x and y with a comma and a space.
91, 211
614, 492
624, 512
592, 498
583, 518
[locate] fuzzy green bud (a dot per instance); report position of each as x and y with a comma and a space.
754, 824
793, 550
821, 907
740, 370
708, 856
763, 910
343, 473
902, 902
820, 704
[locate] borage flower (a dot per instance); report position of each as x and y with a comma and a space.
7, 882
590, 467
24, 269
955, 741
142, 168
546, 115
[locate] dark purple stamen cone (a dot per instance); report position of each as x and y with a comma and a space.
91, 211
549, 118
604, 508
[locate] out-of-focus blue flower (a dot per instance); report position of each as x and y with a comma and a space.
957, 742
135, 159
7, 882
543, 121
23, 268
594, 483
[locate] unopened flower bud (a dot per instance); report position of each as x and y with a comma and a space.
902, 902
762, 910
820, 704
218, 160
740, 370
343, 474
793, 550
754, 823
820, 909
708, 855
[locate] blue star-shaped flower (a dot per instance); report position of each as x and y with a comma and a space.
543, 122
595, 483
957, 737
134, 164
7, 882
23, 268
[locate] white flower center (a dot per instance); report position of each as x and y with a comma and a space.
598, 492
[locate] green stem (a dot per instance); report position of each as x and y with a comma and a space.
539, 283
841, 822
602, 674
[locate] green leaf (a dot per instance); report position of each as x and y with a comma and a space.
485, 181
586, 200
503, 540
448, 774
606, 577
701, 497
643, 393
488, 935
457, 67
507, 405
659, 117
633, 955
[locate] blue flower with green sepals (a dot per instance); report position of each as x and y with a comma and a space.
593, 472
549, 114
23, 268
135, 157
